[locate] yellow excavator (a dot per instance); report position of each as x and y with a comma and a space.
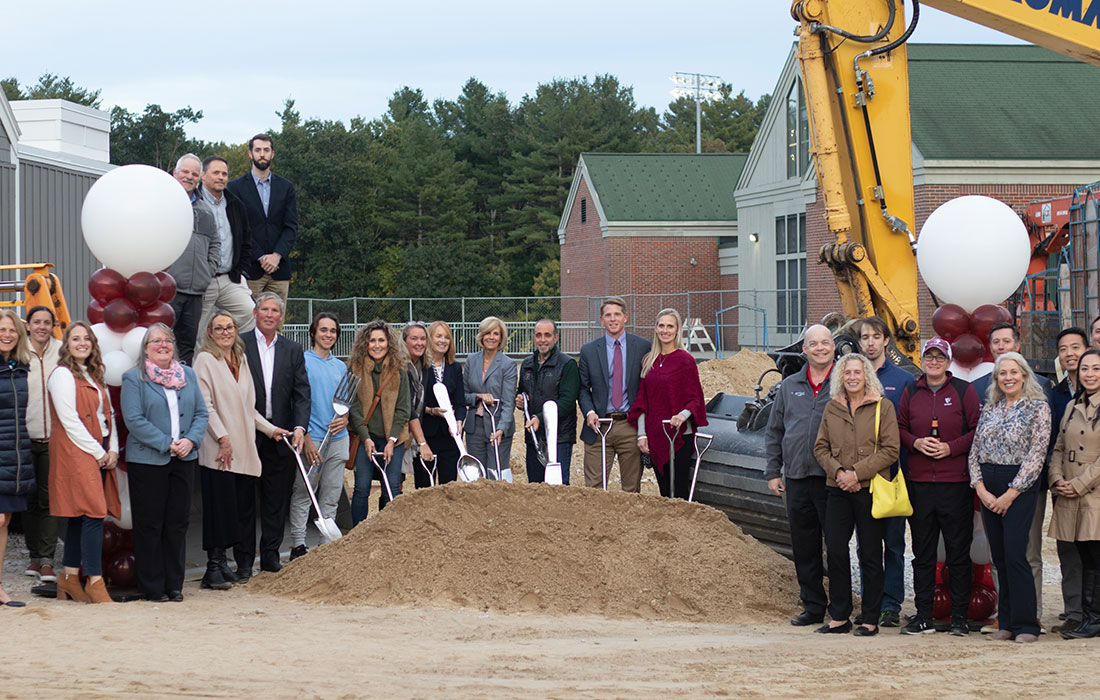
40, 287
855, 77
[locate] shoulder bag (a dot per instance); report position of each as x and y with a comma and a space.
889, 497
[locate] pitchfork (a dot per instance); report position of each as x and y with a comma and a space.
341, 402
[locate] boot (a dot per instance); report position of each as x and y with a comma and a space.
97, 592
214, 579
1090, 608
223, 564
68, 588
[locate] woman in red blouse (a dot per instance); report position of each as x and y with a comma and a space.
670, 390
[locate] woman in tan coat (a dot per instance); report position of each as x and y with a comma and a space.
83, 455
1074, 478
858, 439
227, 456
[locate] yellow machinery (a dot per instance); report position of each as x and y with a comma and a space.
40, 288
855, 76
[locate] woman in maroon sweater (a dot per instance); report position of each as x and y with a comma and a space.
670, 390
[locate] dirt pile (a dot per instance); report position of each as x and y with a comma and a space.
549, 550
737, 374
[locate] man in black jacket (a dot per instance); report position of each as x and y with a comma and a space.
228, 289
548, 374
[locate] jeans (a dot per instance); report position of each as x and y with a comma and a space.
806, 515
84, 545
1008, 538
536, 473
893, 563
364, 474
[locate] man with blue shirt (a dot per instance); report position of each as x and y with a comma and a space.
874, 338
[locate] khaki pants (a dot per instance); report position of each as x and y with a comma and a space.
234, 299
266, 284
622, 442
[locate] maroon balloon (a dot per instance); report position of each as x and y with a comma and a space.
950, 321
112, 539
985, 317
121, 571
120, 315
106, 284
157, 313
982, 604
941, 603
167, 286
143, 288
95, 312
967, 350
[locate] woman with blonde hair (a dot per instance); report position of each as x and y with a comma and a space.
380, 413
228, 456
83, 455
415, 337
16, 460
1006, 460
858, 439
442, 369
669, 390
490, 378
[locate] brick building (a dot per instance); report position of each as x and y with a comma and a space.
644, 223
1010, 122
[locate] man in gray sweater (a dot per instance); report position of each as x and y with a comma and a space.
194, 269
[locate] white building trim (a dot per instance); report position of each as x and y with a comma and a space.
582, 172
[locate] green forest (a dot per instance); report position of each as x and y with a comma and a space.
455, 197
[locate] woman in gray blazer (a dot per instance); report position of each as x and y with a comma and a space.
489, 378
166, 416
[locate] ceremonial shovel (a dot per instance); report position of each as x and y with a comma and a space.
553, 466
341, 403
469, 468
382, 469
671, 456
527, 414
502, 474
326, 526
603, 443
699, 452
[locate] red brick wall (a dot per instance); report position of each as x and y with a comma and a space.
662, 265
731, 318
822, 296
584, 268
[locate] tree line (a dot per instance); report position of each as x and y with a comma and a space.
453, 198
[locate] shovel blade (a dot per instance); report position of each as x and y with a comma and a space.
553, 473
328, 529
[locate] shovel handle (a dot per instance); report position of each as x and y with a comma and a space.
305, 475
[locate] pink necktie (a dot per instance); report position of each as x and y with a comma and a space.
617, 377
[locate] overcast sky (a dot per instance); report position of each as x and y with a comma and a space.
239, 60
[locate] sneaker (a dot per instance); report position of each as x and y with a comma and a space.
47, 574
34, 569
1042, 627
918, 626
959, 629
889, 618
299, 551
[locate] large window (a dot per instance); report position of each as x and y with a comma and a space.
798, 132
790, 272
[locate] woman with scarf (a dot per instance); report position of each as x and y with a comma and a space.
166, 415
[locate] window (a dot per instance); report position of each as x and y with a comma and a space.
584, 210
790, 272
798, 132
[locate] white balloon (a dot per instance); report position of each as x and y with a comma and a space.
109, 341
137, 218
131, 342
115, 364
973, 250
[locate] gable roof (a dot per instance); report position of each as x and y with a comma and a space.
1002, 102
665, 186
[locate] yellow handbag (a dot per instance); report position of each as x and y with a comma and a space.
889, 498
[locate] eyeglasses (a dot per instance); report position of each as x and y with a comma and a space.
223, 329
935, 358
160, 341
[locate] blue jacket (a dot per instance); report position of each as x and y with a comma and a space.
145, 410
16, 463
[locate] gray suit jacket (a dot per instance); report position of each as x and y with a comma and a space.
500, 381
596, 379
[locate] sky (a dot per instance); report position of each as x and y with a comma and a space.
239, 60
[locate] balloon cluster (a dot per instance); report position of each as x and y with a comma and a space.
121, 309
983, 595
968, 334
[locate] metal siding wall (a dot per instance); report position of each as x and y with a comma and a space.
50, 214
7, 210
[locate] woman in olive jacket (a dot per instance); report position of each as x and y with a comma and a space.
858, 439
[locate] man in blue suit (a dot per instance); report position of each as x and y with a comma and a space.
272, 208
611, 368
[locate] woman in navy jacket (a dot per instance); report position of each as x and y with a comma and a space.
166, 416
16, 464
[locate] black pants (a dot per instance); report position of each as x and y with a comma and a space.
1008, 536
806, 516
276, 483
160, 501
685, 462
221, 527
845, 512
941, 509
188, 308
446, 455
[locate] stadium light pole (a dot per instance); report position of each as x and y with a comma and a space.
699, 87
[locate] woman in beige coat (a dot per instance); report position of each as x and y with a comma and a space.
1074, 478
227, 456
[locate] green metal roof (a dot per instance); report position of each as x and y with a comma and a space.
666, 186
1004, 102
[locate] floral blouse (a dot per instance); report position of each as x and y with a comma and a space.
1017, 434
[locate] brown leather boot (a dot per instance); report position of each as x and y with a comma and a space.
97, 592
68, 588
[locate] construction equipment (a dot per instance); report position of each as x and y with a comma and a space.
39, 288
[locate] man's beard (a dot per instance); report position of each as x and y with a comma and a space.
261, 164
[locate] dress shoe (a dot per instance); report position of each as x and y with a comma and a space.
213, 578
1025, 638
862, 631
270, 564
175, 596
243, 574
299, 551
839, 629
156, 597
804, 618
1002, 636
